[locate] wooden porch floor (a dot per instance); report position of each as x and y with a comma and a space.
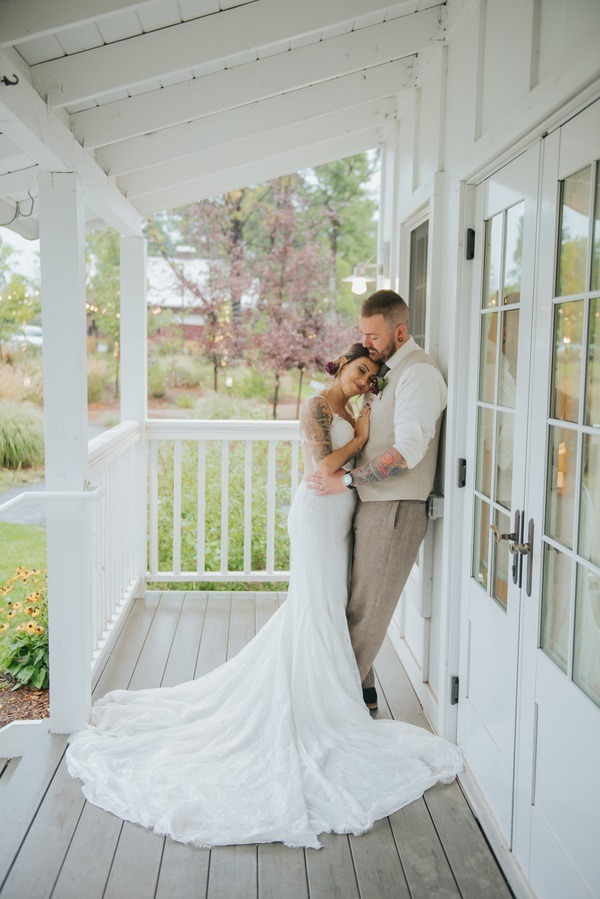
55, 844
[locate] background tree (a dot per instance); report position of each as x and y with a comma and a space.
19, 297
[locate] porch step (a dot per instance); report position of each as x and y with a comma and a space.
25, 790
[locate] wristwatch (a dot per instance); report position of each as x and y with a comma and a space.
347, 479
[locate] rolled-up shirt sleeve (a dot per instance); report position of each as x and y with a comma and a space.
420, 400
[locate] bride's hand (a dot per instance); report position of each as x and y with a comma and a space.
363, 423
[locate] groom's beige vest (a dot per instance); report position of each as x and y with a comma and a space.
414, 483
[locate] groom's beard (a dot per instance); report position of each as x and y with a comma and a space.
384, 354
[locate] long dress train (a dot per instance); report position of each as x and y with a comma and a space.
276, 744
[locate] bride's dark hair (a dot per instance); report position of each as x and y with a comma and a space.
354, 351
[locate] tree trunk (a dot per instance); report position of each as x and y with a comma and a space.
276, 395
215, 374
299, 397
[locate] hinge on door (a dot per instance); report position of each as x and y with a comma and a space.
454, 689
470, 245
462, 472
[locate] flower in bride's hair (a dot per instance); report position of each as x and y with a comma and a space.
377, 385
331, 368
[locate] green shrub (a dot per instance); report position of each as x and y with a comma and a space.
157, 378
21, 435
222, 405
97, 376
185, 372
250, 383
24, 628
185, 401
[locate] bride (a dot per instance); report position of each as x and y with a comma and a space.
276, 744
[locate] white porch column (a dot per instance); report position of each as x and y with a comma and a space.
62, 245
134, 390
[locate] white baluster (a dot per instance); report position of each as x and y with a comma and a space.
224, 506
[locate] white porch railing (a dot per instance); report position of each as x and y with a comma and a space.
218, 494
113, 525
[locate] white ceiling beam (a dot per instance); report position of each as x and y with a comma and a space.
26, 120
270, 144
259, 171
147, 57
19, 181
22, 20
258, 80
257, 118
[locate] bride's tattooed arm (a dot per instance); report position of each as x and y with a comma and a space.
316, 425
387, 465
315, 420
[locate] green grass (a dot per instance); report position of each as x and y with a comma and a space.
21, 544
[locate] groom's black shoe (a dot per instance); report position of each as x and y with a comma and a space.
370, 698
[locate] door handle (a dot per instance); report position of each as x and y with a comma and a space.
525, 549
498, 536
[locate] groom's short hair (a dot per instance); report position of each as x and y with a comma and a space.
390, 305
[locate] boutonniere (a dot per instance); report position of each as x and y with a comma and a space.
377, 385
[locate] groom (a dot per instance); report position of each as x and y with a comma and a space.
394, 475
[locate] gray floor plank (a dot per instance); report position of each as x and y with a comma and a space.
396, 686
136, 864
183, 872
181, 663
89, 857
423, 859
473, 864
38, 863
119, 668
152, 660
24, 793
213, 647
279, 866
266, 605
242, 625
233, 873
9, 766
330, 870
377, 865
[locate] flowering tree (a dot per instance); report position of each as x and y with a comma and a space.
293, 327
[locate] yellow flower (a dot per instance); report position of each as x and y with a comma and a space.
5, 626
23, 627
18, 606
30, 627
38, 630
31, 610
33, 597
10, 616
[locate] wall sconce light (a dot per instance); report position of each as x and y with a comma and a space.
360, 278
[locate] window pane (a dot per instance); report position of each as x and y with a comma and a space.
509, 347
592, 390
502, 561
560, 489
417, 291
487, 358
566, 373
596, 244
575, 213
589, 510
492, 258
481, 534
505, 429
513, 253
485, 436
555, 605
586, 659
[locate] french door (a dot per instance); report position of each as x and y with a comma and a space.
501, 329
529, 723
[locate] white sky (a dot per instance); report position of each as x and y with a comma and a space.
26, 260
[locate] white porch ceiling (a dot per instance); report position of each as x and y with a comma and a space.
163, 102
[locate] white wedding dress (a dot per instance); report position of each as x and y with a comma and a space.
276, 744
